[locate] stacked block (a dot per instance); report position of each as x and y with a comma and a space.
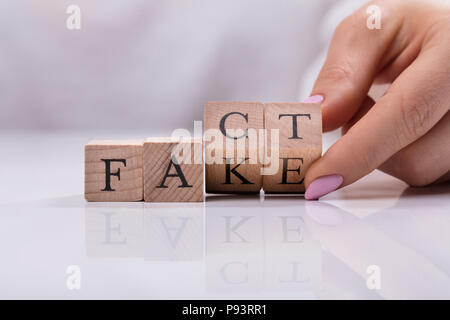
248, 146
235, 172
300, 143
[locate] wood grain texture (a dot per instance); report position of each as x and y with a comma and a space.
168, 181
297, 148
130, 185
241, 115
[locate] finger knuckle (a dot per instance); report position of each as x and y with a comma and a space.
344, 25
412, 172
415, 116
337, 73
416, 178
350, 26
416, 183
368, 161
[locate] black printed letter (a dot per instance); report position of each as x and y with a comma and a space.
229, 170
294, 122
108, 172
222, 125
286, 170
179, 174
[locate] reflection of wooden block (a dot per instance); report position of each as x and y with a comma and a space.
173, 170
242, 173
234, 245
292, 256
113, 170
114, 230
173, 231
300, 132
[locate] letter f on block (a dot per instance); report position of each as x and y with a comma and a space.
108, 172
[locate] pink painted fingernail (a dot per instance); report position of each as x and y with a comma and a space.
322, 186
314, 99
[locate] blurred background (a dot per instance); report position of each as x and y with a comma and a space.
151, 65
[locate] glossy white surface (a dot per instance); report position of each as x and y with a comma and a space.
230, 247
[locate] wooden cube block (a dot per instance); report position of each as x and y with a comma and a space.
300, 143
232, 163
113, 170
173, 170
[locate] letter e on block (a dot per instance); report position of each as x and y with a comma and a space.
113, 170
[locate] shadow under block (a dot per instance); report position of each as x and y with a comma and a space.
240, 174
169, 178
300, 143
113, 170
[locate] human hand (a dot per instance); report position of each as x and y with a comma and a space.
406, 133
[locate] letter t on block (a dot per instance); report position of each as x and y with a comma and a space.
300, 143
113, 170
173, 170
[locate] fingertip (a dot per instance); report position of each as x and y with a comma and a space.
323, 186
315, 98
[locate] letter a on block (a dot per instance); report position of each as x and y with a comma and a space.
113, 170
300, 136
173, 170
232, 147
